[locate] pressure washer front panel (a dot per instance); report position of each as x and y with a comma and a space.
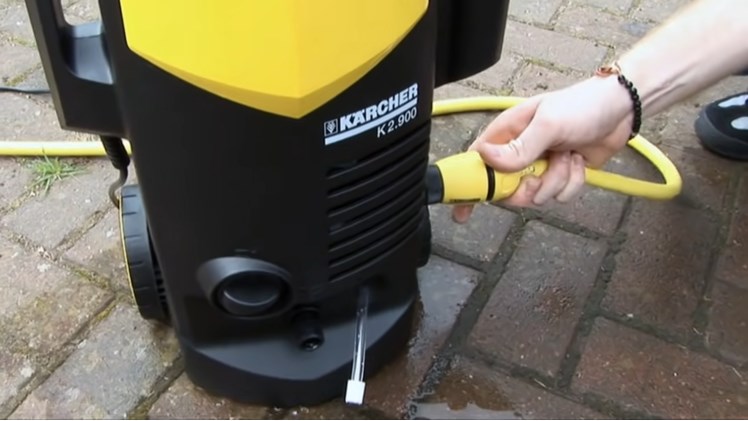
280, 149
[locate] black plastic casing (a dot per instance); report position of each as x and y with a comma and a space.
470, 37
222, 180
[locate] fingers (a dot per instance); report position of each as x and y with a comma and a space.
576, 179
461, 213
563, 180
554, 178
510, 123
527, 189
517, 153
523, 197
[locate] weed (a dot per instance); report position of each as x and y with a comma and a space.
48, 171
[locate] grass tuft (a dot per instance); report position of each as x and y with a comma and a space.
48, 171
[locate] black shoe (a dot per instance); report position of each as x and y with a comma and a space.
722, 127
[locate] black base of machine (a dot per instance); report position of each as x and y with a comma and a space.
275, 369
305, 365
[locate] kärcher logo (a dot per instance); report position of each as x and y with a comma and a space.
369, 117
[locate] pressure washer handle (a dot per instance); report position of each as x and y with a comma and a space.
464, 178
76, 66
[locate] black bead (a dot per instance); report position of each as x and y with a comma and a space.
637, 106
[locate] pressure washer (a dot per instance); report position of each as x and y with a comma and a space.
281, 149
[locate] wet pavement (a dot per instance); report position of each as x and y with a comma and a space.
609, 307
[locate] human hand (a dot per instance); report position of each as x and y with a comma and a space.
582, 125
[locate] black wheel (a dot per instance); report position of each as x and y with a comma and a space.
146, 283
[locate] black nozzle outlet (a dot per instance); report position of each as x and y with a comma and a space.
308, 329
434, 185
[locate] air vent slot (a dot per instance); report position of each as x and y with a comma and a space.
347, 172
360, 257
375, 202
386, 175
364, 239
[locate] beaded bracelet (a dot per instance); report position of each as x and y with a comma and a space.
614, 69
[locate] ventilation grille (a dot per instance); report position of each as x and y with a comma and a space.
375, 203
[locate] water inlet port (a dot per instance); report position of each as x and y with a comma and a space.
308, 329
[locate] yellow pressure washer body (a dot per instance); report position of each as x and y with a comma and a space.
281, 150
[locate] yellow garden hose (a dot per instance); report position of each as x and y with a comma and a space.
606, 180
609, 181
54, 148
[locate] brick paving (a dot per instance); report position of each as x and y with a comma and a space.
610, 307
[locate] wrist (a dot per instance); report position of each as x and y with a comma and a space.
652, 87
626, 100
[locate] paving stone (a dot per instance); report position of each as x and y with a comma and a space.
532, 313
635, 29
41, 308
17, 60
534, 11
706, 177
38, 80
471, 390
732, 265
657, 10
108, 374
681, 117
47, 219
100, 251
454, 90
728, 323
533, 79
641, 372
496, 79
25, 119
617, 6
184, 400
14, 178
479, 238
334, 410
452, 134
726, 87
14, 20
630, 163
598, 209
445, 286
553, 47
603, 27
661, 268
673, 128
81, 11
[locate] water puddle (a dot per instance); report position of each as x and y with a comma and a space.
468, 391
442, 411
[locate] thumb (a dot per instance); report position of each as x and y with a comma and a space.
461, 213
518, 153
